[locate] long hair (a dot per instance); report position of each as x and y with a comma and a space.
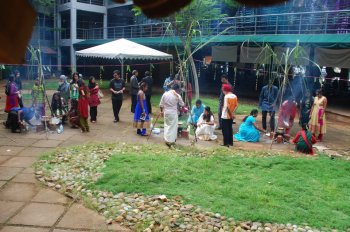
142, 86
254, 111
75, 74
91, 84
207, 117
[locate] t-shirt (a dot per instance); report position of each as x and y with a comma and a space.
117, 85
149, 81
268, 98
230, 104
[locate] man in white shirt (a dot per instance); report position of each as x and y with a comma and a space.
169, 108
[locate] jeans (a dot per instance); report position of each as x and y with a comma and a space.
117, 105
272, 120
148, 102
93, 113
133, 103
227, 131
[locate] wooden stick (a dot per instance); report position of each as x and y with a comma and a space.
155, 122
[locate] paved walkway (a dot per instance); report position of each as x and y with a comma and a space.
26, 206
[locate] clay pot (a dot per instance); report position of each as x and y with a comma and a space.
185, 134
279, 139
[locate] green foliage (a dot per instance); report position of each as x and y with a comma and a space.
136, 10
242, 185
46, 6
212, 102
232, 3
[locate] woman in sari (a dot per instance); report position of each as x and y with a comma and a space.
304, 140
141, 116
196, 112
94, 100
83, 106
249, 130
11, 94
206, 126
318, 115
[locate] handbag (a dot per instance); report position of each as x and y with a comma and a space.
143, 117
100, 94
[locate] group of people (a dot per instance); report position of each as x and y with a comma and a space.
312, 118
73, 100
141, 93
76, 98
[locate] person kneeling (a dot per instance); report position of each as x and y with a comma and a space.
249, 131
303, 141
196, 112
206, 126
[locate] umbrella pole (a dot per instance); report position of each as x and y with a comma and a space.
122, 62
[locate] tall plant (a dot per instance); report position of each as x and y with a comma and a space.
188, 25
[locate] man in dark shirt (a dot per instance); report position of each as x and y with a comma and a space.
117, 87
149, 81
267, 104
134, 89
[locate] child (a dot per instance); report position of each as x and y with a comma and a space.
304, 140
141, 116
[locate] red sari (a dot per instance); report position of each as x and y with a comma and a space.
83, 103
12, 98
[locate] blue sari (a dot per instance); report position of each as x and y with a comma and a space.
247, 131
195, 113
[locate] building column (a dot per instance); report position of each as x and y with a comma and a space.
105, 16
57, 42
73, 31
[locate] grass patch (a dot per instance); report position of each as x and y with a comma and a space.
52, 84
278, 189
213, 102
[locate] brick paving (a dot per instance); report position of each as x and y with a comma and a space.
27, 206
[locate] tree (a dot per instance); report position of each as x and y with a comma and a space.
187, 25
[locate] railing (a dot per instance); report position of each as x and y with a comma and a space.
64, 1
94, 33
324, 22
93, 2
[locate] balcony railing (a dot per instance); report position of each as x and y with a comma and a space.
93, 2
325, 22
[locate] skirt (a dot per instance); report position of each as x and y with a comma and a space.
139, 122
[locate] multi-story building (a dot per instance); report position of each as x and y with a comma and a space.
79, 24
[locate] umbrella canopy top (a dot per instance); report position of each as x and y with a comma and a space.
124, 49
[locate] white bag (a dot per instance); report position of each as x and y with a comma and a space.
100, 94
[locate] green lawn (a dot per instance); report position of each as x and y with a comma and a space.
277, 189
53, 84
211, 101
